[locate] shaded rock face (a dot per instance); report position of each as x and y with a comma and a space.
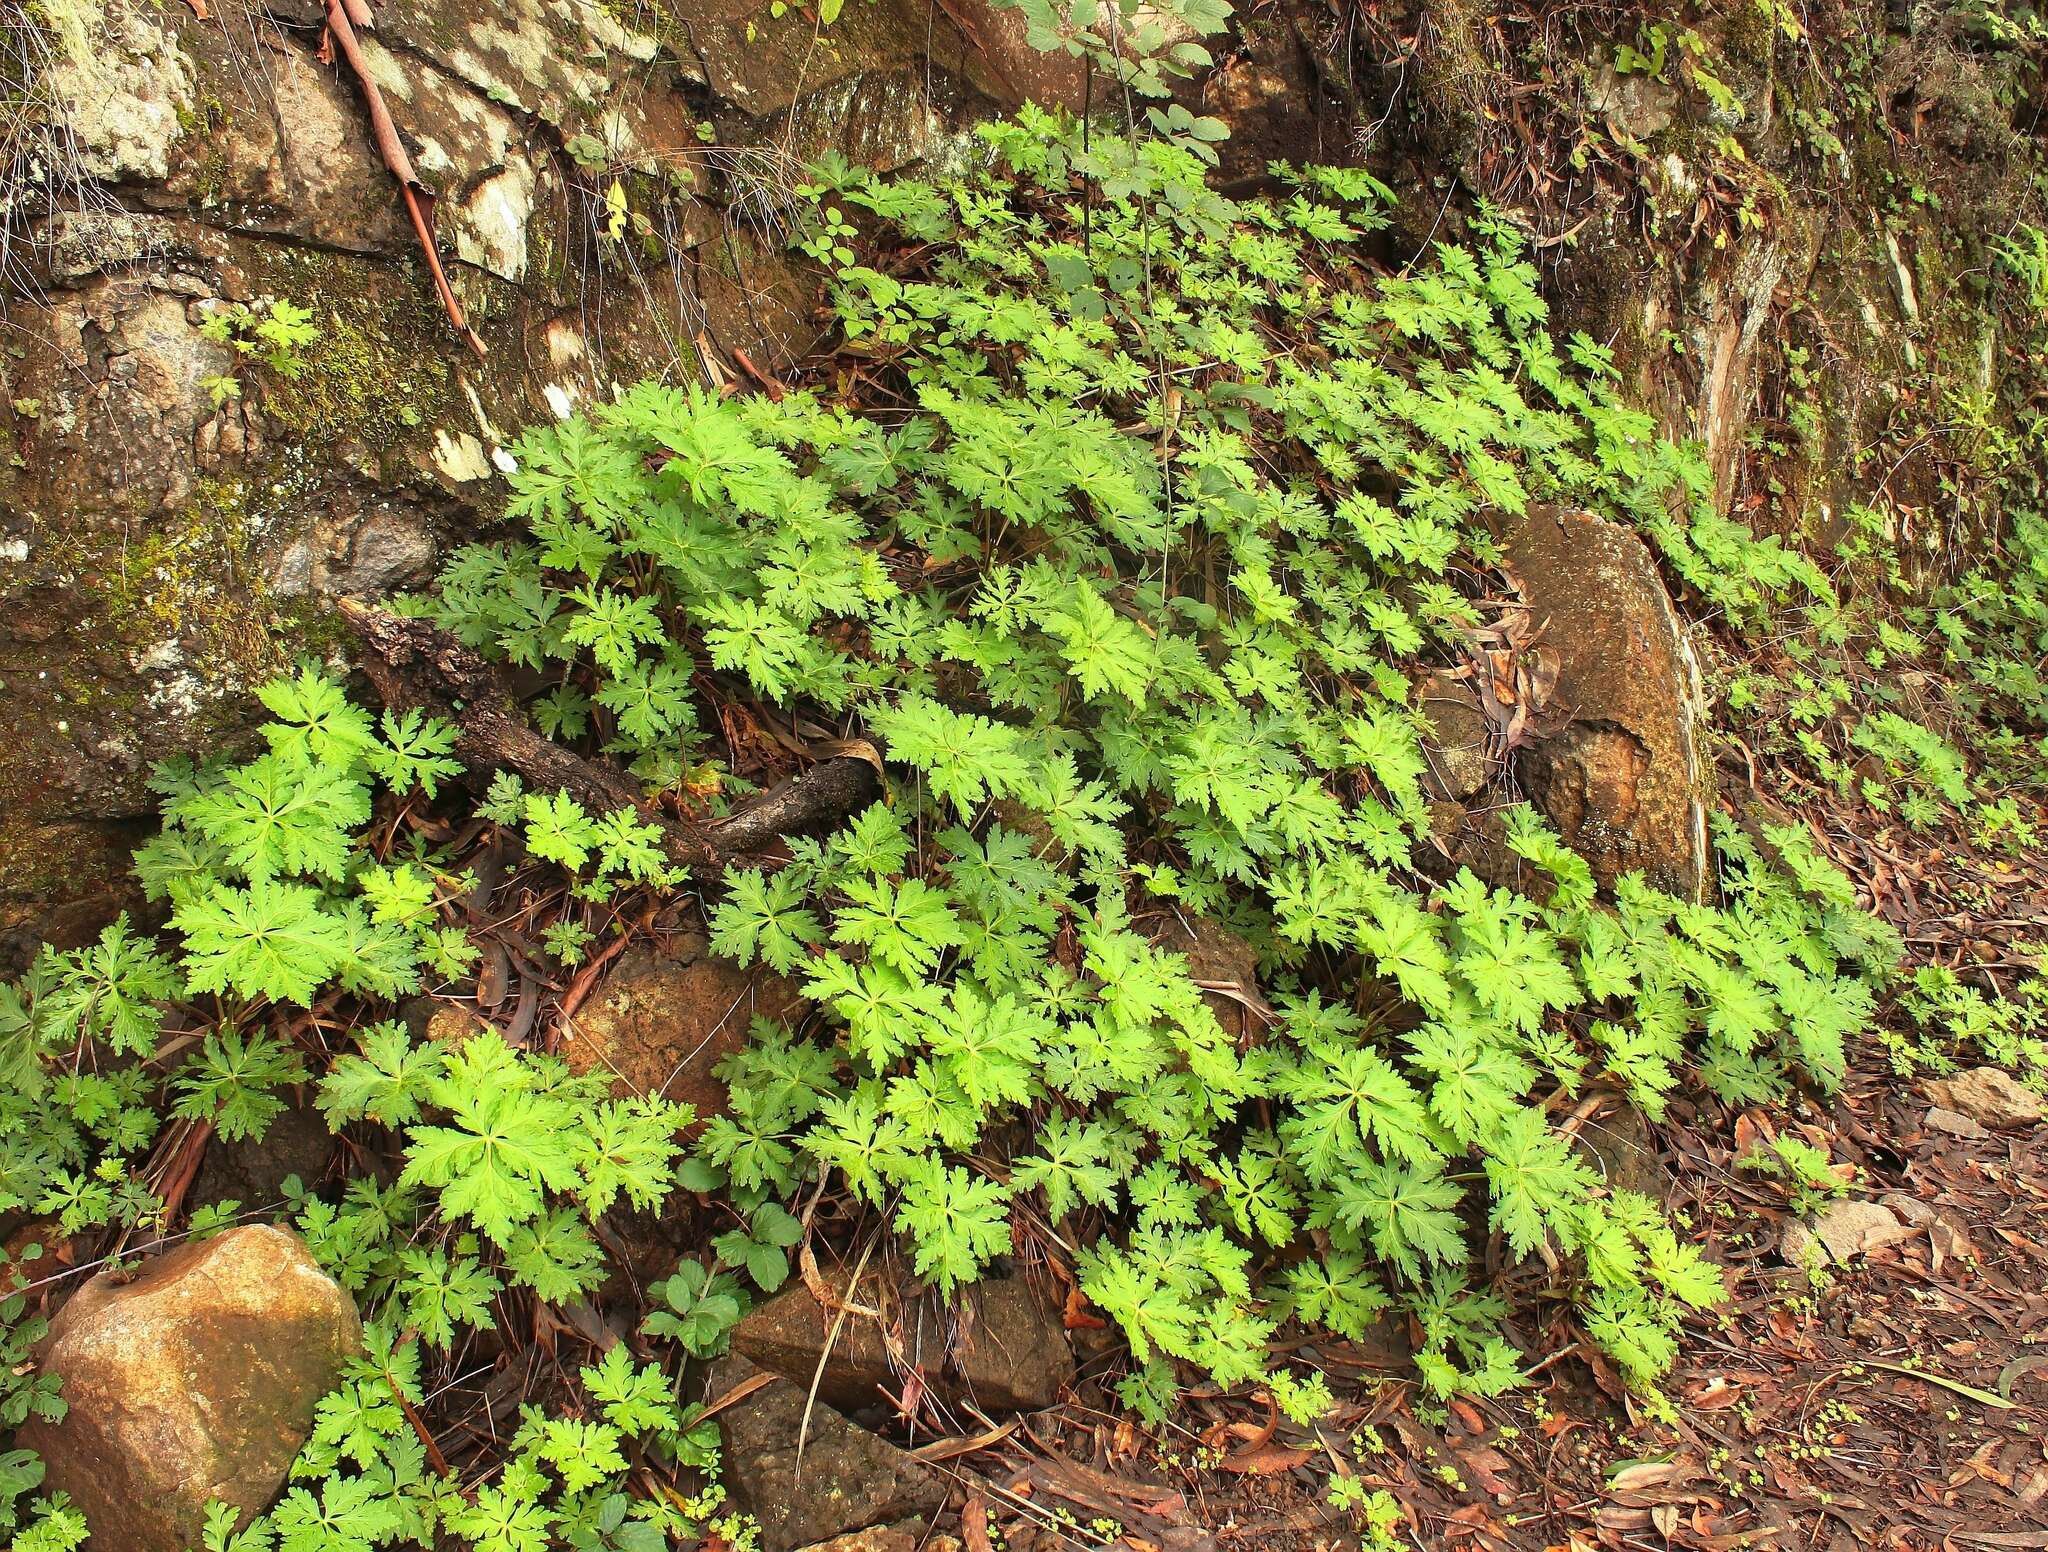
842, 1479
1615, 1138
1700, 326
1004, 1348
194, 1378
1611, 755
165, 541
1219, 961
253, 1172
662, 1019
1461, 757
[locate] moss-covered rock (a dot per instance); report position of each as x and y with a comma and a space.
172, 511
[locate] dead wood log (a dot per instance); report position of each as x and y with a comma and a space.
415, 663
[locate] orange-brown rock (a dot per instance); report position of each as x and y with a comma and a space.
1618, 767
1609, 749
1220, 962
663, 1018
191, 1379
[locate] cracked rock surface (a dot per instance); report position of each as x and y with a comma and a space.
1609, 747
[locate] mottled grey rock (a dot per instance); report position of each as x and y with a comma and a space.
1636, 105
1955, 1123
1910, 1209
1988, 1096
1845, 1230
125, 89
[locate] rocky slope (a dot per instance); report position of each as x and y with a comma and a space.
1777, 225
609, 183
1775, 230
1778, 263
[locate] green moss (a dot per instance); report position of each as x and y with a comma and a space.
162, 589
378, 373
187, 577
45, 861
209, 122
1748, 38
547, 255
1455, 73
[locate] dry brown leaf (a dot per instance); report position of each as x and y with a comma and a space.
1075, 1316
1644, 1473
1266, 1459
974, 1522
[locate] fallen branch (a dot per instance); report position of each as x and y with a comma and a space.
415, 663
839, 785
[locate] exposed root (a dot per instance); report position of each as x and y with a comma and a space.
343, 17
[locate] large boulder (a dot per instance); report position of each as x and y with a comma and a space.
194, 1378
1603, 729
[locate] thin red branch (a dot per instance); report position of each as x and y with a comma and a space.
343, 17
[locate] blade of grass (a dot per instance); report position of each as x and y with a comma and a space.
1984, 1396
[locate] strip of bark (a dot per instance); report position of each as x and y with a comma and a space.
414, 662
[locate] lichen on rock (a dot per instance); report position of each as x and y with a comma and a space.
163, 546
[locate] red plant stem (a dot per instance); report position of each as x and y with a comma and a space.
343, 16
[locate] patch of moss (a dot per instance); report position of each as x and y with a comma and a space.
179, 593
188, 577
1455, 73
378, 373
208, 121
313, 627
547, 253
